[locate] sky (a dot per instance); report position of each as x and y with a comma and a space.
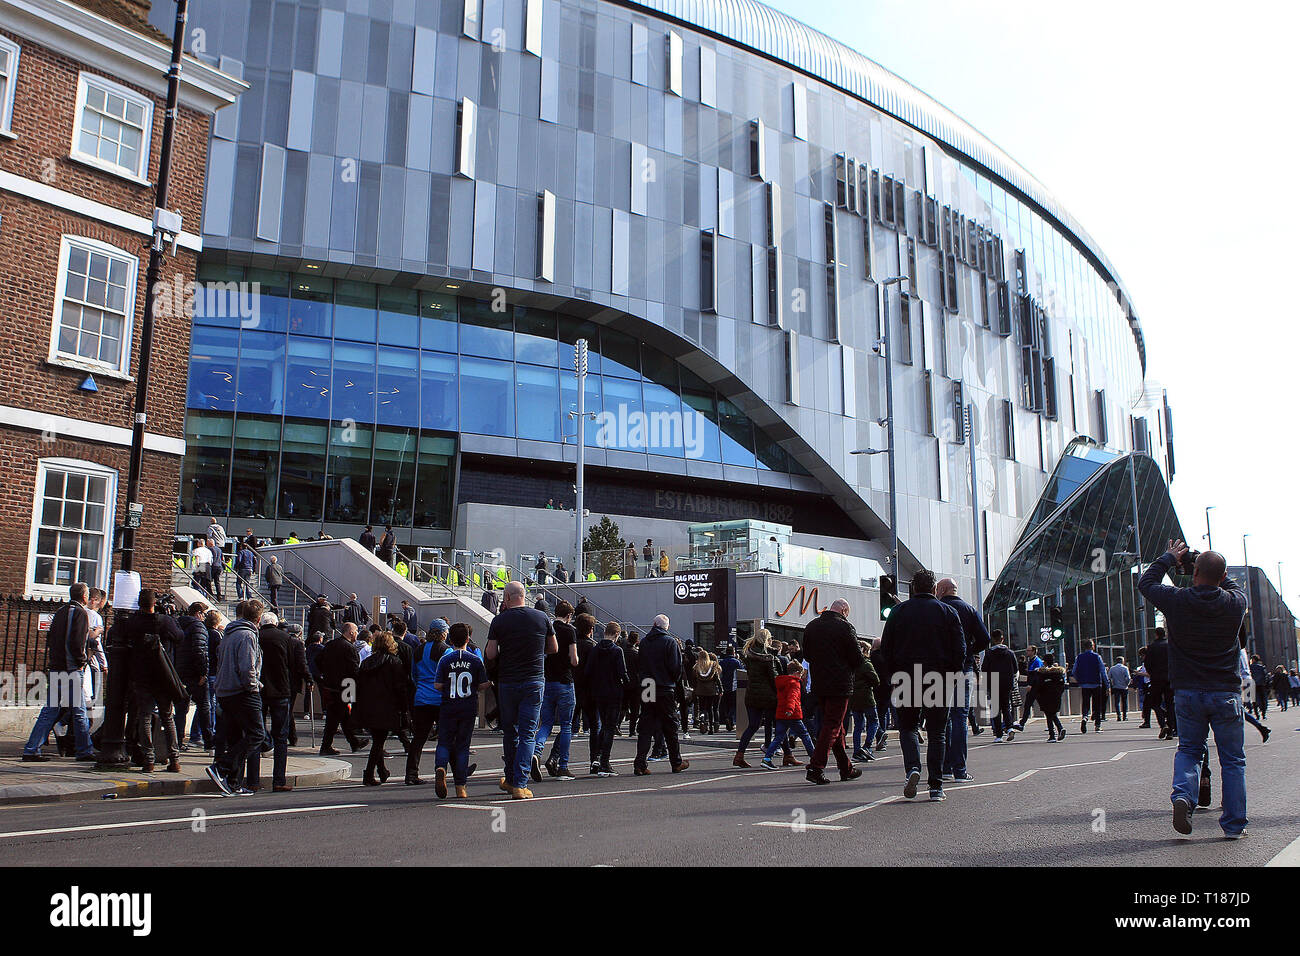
1167, 131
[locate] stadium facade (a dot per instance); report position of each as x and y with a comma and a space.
427, 204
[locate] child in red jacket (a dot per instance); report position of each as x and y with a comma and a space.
789, 713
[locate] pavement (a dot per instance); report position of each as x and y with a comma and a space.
63, 780
1092, 800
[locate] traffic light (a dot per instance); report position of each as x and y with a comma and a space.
888, 596
1058, 622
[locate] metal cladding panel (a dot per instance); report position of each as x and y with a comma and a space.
776, 35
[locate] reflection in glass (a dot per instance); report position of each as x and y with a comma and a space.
569, 406
307, 378
354, 311
485, 332
433, 482
347, 488
256, 464
310, 307
737, 435
438, 322
392, 488
213, 359
487, 397
206, 470
623, 426
398, 394
353, 383
302, 470
261, 372
535, 340
537, 403
399, 317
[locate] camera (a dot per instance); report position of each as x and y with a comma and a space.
1188, 564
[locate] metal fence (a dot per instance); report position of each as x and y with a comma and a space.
24, 624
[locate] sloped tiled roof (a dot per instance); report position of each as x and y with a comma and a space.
129, 13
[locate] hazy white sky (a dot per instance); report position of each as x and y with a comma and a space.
1169, 131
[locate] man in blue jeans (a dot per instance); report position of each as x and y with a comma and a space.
558, 698
519, 640
1202, 622
977, 641
67, 664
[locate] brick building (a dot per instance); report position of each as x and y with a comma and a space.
82, 100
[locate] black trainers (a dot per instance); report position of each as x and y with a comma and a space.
594, 771
552, 766
852, 774
215, 776
816, 776
536, 770
913, 781
1182, 816
1205, 796
563, 773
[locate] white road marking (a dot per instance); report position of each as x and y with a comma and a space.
787, 825
691, 783
572, 796
1021, 776
1288, 857
463, 806
866, 806
184, 819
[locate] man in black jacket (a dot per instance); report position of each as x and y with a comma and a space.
660, 667
146, 632
922, 650
1000, 666
284, 666
338, 664
66, 640
368, 539
830, 648
606, 673
977, 641
321, 617
354, 612
1159, 692
192, 668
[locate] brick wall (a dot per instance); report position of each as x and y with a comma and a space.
30, 233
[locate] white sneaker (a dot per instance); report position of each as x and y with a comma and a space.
997, 740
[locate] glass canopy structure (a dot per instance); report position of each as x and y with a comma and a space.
1083, 549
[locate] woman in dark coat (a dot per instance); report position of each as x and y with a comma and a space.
384, 691
760, 696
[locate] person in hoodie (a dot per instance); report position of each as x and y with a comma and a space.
1119, 678
606, 674
1204, 621
660, 664
239, 695
1002, 673
1090, 674
1048, 683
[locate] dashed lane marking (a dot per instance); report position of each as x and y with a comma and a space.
185, 819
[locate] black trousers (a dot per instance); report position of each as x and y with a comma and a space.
337, 717
1006, 713
632, 704
658, 716
1161, 698
426, 715
1094, 704
375, 768
602, 739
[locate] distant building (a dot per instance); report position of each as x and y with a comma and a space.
82, 98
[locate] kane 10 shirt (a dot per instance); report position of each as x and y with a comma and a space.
460, 673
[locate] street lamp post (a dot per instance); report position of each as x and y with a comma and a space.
1209, 542
885, 341
166, 226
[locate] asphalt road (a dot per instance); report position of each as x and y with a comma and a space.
1091, 800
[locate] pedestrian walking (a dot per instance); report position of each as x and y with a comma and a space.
1204, 621
1003, 676
338, 663
862, 705
192, 667
830, 647
427, 701
558, 696
761, 671
519, 639
1090, 674
977, 642
1048, 683
1120, 679
922, 643
789, 714
236, 769
606, 674
460, 674
66, 653
660, 669
384, 692
274, 576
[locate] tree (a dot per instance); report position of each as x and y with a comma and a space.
605, 545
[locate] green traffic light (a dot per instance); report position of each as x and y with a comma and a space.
1057, 633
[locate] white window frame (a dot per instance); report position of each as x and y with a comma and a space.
123, 368
91, 470
141, 173
7, 101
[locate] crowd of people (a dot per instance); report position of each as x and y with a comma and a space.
548, 677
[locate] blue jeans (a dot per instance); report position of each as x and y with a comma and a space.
1197, 711
954, 761
557, 708
789, 728
45, 722
864, 719
519, 703
454, 733
208, 690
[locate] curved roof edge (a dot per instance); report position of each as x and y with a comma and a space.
780, 37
